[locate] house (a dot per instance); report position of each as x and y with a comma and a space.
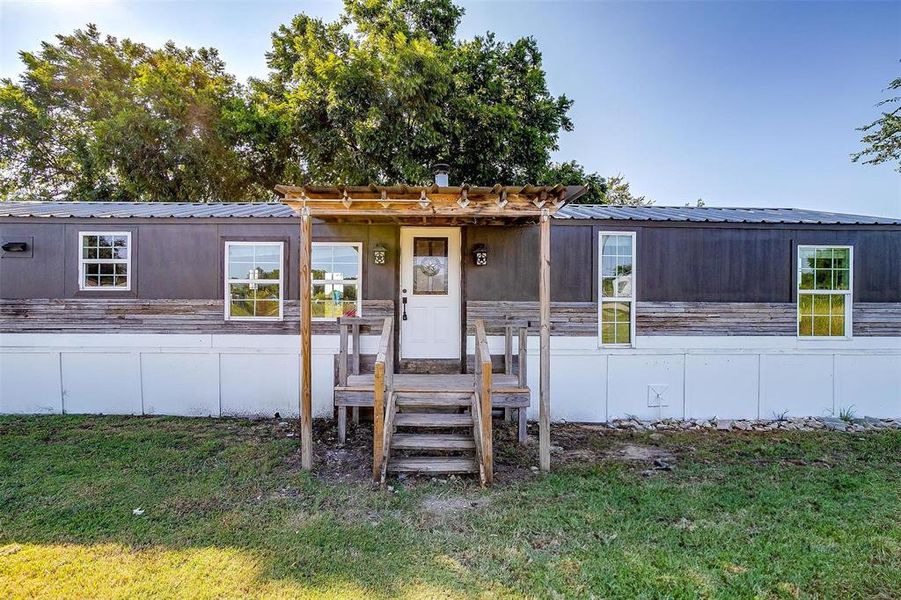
656, 312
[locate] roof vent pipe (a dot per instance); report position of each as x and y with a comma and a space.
441, 172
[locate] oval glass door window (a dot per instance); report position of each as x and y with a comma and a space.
430, 266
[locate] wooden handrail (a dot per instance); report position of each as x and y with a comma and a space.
483, 391
371, 321
508, 350
523, 355
390, 410
384, 383
477, 434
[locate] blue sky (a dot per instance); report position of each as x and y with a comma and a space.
741, 104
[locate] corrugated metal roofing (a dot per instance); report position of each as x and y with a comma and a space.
156, 210
703, 214
710, 214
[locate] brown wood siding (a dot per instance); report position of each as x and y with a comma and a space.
676, 262
512, 270
715, 318
567, 318
681, 318
679, 262
877, 318
155, 316
177, 259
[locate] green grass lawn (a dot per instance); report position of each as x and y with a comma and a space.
229, 514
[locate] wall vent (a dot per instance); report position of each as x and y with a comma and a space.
657, 395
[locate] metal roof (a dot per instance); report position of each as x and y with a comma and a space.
710, 214
157, 210
703, 214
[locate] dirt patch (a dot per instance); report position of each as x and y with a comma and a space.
571, 444
637, 452
436, 505
334, 462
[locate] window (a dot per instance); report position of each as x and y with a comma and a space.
616, 309
824, 291
254, 280
104, 261
336, 279
430, 266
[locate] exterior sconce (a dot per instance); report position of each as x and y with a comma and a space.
379, 255
15, 246
480, 255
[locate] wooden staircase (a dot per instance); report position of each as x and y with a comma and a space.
437, 430
431, 432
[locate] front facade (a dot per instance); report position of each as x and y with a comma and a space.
655, 312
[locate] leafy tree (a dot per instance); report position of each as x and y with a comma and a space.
385, 91
618, 192
601, 190
883, 136
99, 118
375, 97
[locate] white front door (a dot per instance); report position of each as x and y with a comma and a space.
430, 292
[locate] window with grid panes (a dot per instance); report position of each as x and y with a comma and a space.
104, 261
616, 318
254, 280
824, 291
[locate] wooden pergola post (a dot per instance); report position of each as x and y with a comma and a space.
544, 317
306, 308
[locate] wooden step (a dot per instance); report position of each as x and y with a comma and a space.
432, 464
435, 399
431, 441
432, 420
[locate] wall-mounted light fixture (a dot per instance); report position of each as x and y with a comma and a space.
480, 255
379, 255
15, 247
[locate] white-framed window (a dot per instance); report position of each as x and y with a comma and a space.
825, 290
337, 270
254, 280
104, 260
616, 288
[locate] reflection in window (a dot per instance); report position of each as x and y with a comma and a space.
430, 266
824, 291
617, 296
336, 279
104, 260
253, 282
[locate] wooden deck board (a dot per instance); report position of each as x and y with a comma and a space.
433, 383
505, 390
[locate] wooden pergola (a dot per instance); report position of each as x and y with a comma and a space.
427, 205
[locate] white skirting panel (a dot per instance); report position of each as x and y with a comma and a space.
186, 375
725, 377
257, 375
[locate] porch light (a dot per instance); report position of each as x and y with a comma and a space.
15, 246
379, 255
480, 255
